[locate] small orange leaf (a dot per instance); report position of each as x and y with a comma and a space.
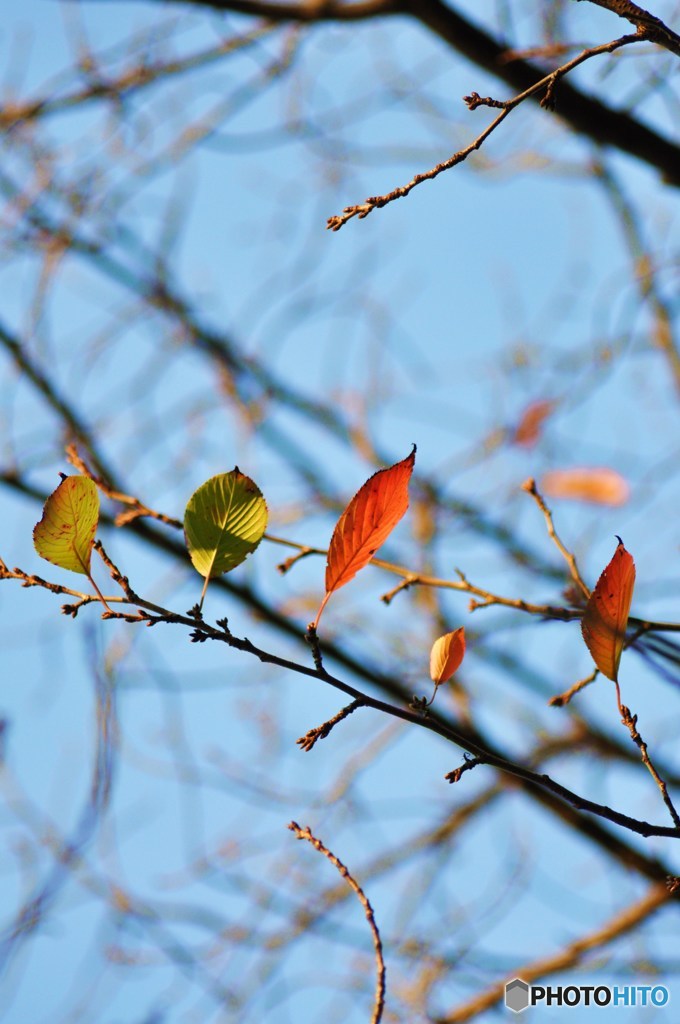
366, 523
446, 655
606, 615
599, 485
528, 430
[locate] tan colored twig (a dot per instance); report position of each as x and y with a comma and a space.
136, 509
379, 1003
561, 699
530, 487
411, 579
302, 551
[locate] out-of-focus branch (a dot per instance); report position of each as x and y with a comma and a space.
571, 956
645, 270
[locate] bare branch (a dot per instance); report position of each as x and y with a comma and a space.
546, 85
379, 1004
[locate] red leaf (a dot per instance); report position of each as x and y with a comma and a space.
599, 485
606, 615
446, 655
528, 430
366, 523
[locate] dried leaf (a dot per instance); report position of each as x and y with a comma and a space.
65, 534
224, 521
606, 615
598, 485
530, 426
366, 523
446, 655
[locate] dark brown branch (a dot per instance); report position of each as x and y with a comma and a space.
585, 824
647, 24
467, 740
320, 732
630, 722
585, 114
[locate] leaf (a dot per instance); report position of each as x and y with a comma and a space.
446, 655
606, 615
224, 521
530, 426
65, 534
366, 523
598, 485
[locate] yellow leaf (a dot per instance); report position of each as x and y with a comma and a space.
65, 534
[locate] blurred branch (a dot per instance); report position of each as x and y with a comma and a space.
645, 275
571, 956
118, 88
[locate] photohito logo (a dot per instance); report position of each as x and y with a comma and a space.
519, 995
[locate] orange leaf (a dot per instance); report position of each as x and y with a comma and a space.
599, 485
606, 615
446, 655
528, 430
366, 523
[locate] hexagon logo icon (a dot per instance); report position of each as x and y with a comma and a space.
517, 995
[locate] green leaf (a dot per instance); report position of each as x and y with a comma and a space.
224, 521
65, 534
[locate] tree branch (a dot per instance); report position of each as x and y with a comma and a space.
586, 115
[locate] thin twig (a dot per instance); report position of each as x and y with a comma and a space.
648, 25
530, 487
320, 732
136, 509
563, 698
630, 721
546, 85
379, 1003
468, 764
